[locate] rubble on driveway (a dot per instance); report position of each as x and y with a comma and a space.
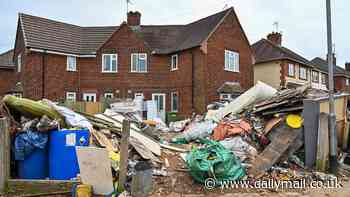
257, 135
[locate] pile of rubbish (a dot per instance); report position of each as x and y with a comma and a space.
257, 135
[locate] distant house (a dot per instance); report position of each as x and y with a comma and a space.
341, 75
279, 66
8, 74
181, 67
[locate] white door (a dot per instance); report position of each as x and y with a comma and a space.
89, 97
159, 100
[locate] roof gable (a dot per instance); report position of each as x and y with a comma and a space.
266, 51
6, 60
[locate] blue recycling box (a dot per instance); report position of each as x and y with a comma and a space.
63, 162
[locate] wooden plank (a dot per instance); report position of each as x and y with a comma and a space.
275, 150
4, 153
95, 169
322, 143
134, 132
124, 155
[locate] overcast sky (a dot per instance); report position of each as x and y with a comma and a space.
302, 22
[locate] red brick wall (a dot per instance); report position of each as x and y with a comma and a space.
7, 80
230, 36
208, 74
339, 83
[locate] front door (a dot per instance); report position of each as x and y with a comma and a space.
89, 97
159, 100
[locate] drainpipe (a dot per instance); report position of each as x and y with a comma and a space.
192, 81
43, 74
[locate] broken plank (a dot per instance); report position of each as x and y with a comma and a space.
173, 148
146, 141
275, 150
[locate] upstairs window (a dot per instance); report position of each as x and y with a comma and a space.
71, 63
139, 62
174, 62
71, 96
19, 63
291, 70
347, 82
323, 78
303, 73
109, 63
231, 61
315, 77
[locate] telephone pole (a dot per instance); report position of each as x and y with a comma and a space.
333, 135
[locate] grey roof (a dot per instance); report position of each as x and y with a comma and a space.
42, 33
322, 65
266, 51
6, 60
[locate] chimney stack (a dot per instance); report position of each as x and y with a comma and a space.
275, 38
134, 18
347, 66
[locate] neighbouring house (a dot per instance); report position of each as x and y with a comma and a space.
341, 75
8, 74
279, 66
181, 67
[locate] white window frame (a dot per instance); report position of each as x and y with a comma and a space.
110, 94
18, 95
174, 64
347, 81
74, 68
318, 77
19, 63
301, 68
325, 79
139, 94
137, 67
229, 65
172, 103
73, 96
222, 95
90, 94
116, 63
291, 68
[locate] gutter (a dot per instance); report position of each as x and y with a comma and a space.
60, 53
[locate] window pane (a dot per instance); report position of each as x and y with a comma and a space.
174, 102
114, 63
134, 62
107, 62
142, 65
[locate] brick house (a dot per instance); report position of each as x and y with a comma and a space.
8, 74
279, 66
341, 75
181, 67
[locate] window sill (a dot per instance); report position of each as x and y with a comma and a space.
71, 70
231, 71
142, 72
174, 69
111, 72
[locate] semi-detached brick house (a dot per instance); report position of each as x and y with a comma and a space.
8, 74
180, 66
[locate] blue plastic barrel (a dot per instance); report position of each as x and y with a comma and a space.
34, 166
63, 162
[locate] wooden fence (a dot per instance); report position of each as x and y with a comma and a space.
90, 108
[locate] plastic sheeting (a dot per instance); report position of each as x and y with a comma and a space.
199, 130
72, 119
26, 143
239, 147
